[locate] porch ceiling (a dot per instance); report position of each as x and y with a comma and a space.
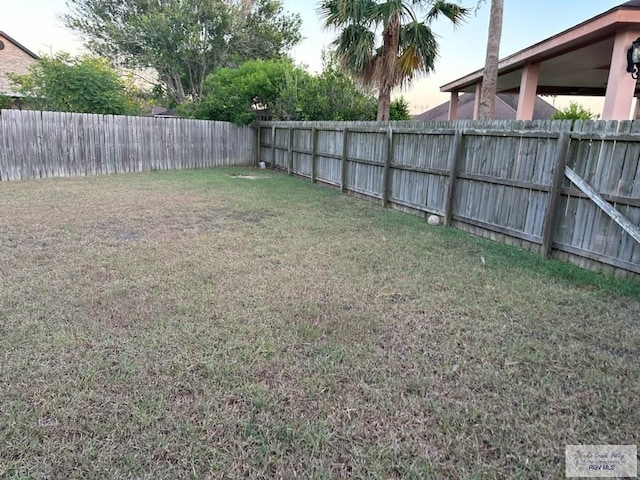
579, 72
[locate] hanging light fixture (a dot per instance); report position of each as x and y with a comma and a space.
633, 59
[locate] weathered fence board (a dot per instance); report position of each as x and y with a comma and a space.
36, 144
491, 178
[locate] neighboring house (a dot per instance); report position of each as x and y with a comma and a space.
14, 58
506, 108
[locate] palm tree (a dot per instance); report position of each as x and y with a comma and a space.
408, 45
490, 74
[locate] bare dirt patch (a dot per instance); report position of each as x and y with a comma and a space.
251, 177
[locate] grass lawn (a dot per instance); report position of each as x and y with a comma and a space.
198, 324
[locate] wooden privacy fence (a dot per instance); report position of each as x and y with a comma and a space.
36, 144
545, 186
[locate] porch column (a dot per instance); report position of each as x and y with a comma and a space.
453, 106
620, 86
476, 103
636, 115
528, 91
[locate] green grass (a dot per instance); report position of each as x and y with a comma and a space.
197, 324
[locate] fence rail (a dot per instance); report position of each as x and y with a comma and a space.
36, 144
503, 180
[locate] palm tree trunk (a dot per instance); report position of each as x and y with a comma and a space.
384, 104
387, 65
490, 74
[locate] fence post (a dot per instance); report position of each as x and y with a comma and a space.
548, 227
343, 173
387, 165
290, 166
454, 163
258, 144
273, 147
314, 153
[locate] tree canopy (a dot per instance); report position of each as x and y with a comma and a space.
184, 40
407, 48
234, 94
74, 84
288, 92
575, 111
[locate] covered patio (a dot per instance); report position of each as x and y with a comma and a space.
589, 59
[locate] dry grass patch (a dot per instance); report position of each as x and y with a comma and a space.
197, 325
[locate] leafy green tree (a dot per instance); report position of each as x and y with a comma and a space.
234, 94
184, 40
289, 92
408, 47
330, 95
5, 102
575, 111
399, 109
74, 84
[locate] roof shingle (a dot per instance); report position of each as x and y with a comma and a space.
506, 108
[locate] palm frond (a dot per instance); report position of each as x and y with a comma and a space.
457, 14
418, 51
355, 47
409, 63
329, 12
384, 12
368, 76
339, 13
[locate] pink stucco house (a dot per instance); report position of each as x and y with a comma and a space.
588, 59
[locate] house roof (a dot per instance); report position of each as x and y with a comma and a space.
506, 105
574, 62
19, 45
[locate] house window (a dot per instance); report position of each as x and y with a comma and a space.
1, 45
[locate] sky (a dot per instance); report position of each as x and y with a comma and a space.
36, 24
